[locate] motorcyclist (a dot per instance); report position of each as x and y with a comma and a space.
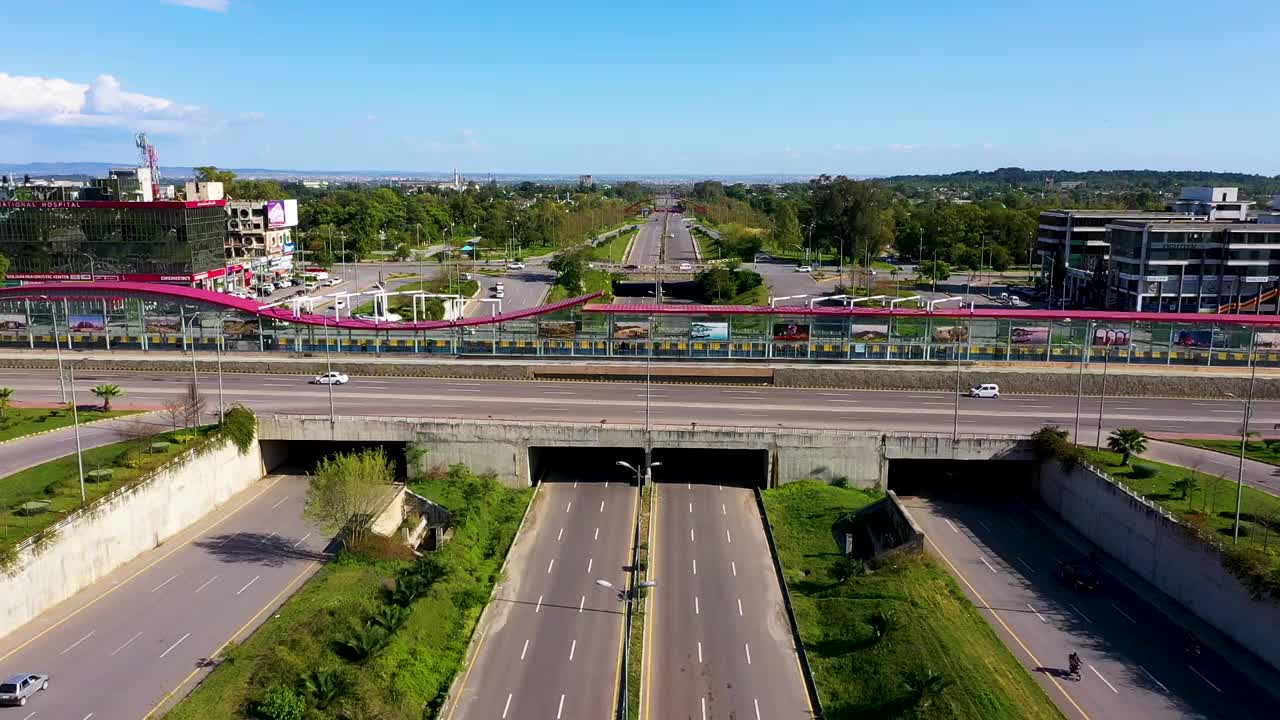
1073, 663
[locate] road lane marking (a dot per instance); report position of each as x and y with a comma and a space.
690, 534
227, 539
304, 539
704, 709
86, 717
268, 537
733, 566
538, 608
523, 650
568, 507
506, 707
572, 649
695, 566
690, 507
560, 710
29, 716
953, 527
993, 570
597, 537
728, 537
73, 645
1202, 677
279, 502
688, 486
1086, 617
582, 603
206, 582
1113, 687
984, 526
171, 647
1225, 412
1153, 678
739, 607
246, 585
126, 644
166, 582
601, 506
1037, 614
699, 651
756, 702
1024, 564
559, 534
722, 510
748, 648
575, 484
1125, 614
551, 565
696, 609
590, 562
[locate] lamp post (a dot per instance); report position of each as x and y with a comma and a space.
75, 422
57, 344
1244, 439
328, 359
92, 274
955, 424
1102, 396
188, 325
1084, 354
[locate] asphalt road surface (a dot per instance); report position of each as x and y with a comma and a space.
913, 411
144, 633
680, 249
1134, 660
521, 289
552, 643
47, 446
719, 644
647, 247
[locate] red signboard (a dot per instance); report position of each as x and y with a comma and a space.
110, 204
128, 277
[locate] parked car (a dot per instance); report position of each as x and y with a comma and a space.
986, 390
499, 293
17, 689
466, 276
671, 234
331, 378
804, 268
335, 281
1079, 576
686, 266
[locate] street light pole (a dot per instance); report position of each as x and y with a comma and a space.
1102, 397
955, 425
1244, 438
75, 421
222, 338
57, 344
195, 375
1084, 351
328, 359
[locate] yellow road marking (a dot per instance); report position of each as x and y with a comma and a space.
149, 565
234, 635
1005, 625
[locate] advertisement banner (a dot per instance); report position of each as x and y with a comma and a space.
113, 204
275, 214
791, 332
869, 333
558, 329
84, 277
232, 327
13, 322
631, 330
1110, 337
708, 330
163, 324
1264, 339
950, 334
1029, 335
1194, 338
86, 323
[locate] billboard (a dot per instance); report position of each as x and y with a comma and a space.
558, 329
1029, 335
1194, 338
865, 333
86, 323
1110, 337
1263, 339
632, 330
275, 214
791, 332
163, 324
709, 331
950, 334
13, 322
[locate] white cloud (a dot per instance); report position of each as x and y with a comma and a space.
214, 5
253, 116
102, 103
466, 140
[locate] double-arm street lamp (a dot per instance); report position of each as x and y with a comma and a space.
75, 422
1244, 439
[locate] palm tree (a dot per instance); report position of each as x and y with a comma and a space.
6, 399
1127, 442
105, 393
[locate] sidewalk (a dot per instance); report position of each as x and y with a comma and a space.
1258, 475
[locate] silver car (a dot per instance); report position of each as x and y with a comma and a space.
18, 688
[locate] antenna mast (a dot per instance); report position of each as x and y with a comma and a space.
149, 159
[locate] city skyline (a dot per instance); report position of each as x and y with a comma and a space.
753, 89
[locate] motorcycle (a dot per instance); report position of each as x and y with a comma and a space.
1073, 666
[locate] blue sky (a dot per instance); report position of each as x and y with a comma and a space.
706, 87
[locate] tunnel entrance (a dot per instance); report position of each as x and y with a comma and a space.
686, 291
302, 456
707, 466
582, 464
961, 477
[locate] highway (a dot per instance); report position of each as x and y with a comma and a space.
680, 249
646, 249
719, 643
146, 631
1134, 660
521, 289
552, 639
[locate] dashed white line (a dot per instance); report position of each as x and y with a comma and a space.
984, 562
268, 537
739, 607
756, 702
1086, 617
29, 716
704, 709
304, 539
699, 651
748, 648
984, 526
551, 565
126, 644
722, 510
1153, 678
728, 537
206, 583
1125, 614
227, 539
695, 566
1037, 614
523, 650
72, 646
733, 566
560, 709
590, 562
1024, 564
601, 506
1207, 680
582, 603
86, 717
572, 649
568, 507
559, 534
953, 527
690, 534
690, 507
166, 582
506, 707
171, 647
279, 502
1113, 687
597, 537
538, 608
246, 585
696, 610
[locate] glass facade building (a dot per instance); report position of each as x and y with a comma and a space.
171, 242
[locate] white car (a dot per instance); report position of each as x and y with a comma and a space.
331, 378
686, 266
987, 390
499, 294
515, 266
671, 235
335, 281
804, 268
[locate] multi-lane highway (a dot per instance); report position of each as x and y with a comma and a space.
719, 643
1134, 660
646, 249
680, 246
144, 633
552, 640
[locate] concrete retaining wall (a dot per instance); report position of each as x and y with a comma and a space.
502, 447
91, 545
1164, 552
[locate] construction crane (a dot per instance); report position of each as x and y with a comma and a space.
149, 159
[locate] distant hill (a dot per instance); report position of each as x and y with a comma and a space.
1156, 180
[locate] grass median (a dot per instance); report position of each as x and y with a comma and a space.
901, 641
376, 633
1265, 451
19, 422
635, 660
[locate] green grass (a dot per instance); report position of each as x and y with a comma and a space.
407, 678
635, 662
18, 422
403, 304
58, 482
594, 280
935, 627
614, 249
758, 295
1254, 449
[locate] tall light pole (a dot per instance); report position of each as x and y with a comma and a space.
189, 326
1084, 352
648, 377
75, 421
92, 274
57, 344
1102, 397
222, 338
1244, 439
955, 424
328, 359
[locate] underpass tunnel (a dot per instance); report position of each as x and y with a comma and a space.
961, 477
671, 290
583, 464
302, 456
712, 466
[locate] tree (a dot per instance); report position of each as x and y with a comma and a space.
6, 399
571, 268
209, 173
1186, 487
348, 490
1128, 442
105, 393
934, 270
786, 227
4, 267
185, 410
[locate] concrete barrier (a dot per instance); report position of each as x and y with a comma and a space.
88, 545
1164, 551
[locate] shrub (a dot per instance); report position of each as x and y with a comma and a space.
131, 459
1142, 472
241, 426
280, 703
183, 438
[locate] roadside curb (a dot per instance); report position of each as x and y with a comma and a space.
71, 427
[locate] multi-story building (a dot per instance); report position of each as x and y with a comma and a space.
1272, 215
260, 237
1213, 203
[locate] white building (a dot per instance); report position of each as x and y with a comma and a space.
1215, 203
1272, 216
